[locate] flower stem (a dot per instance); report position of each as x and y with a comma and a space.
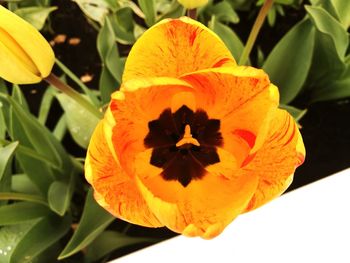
60, 85
255, 31
192, 13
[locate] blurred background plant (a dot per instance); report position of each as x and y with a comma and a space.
47, 210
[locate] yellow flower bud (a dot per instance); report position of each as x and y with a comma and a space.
190, 4
25, 56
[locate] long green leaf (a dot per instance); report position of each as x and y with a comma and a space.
6, 154
46, 103
93, 221
10, 236
40, 237
109, 241
18, 96
21, 212
22, 184
290, 60
22, 197
39, 136
148, 8
122, 22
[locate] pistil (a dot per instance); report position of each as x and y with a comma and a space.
187, 138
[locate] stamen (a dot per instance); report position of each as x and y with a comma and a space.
187, 138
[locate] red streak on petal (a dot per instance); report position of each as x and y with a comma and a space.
248, 136
248, 159
221, 62
193, 37
113, 105
291, 137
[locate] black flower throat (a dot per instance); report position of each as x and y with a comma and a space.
181, 155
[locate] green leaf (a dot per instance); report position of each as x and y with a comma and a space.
18, 96
295, 112
271, 16
39, 136
335, 89
108, 84
2, 124
35, 15
288, 69
284, 2
23, 150
21, 183
60, 128
123, 24
59, 196
175, 10
46, 103
6, 154
94, 9
339, 9
22, 197
25, 128
41, 236
112, 64
132, 6
109, 241
326, 24
224, 12
81, 123
342, 8
21, 212
228, 36
148, 8
10, 236
93, 221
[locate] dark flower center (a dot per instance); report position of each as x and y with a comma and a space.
183, 143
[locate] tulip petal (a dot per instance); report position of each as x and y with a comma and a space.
203, 208
114, 190
223, 90
137, 103
12, 67
190, 4
244, 100
174, 47
24, 34
276, 160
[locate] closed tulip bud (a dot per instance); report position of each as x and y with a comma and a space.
191, 4
25, 56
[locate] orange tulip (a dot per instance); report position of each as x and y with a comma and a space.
191, 140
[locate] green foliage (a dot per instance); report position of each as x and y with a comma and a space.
287, 69
80, 122
88, 229
35, 15
112, 63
